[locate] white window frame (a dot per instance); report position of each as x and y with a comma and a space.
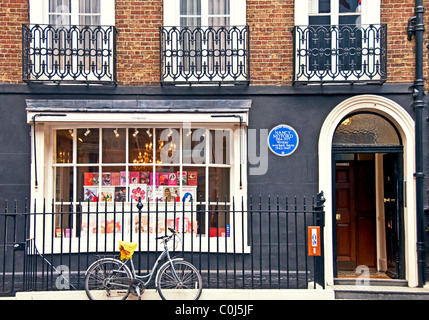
45, 141
39, 12
172, 15
370, 14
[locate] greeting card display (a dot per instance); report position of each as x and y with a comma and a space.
106, 179
115, 179
145, 177
172, 179
192, 178
90, 194
163, 179
106, 194
134, 177
138, 191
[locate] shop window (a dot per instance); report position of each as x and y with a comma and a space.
175, 171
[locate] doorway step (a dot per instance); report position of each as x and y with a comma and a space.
377, 289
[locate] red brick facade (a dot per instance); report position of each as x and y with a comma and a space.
271, 43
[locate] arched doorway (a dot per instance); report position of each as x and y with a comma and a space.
368, 196
403, 124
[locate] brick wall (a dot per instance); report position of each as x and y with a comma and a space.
13, 13
400, 58
271, 43
138, 23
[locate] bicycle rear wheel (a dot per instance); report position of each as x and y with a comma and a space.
108, 279
182, 283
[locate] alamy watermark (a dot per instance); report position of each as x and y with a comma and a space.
200, 146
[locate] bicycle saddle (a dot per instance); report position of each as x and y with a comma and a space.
127, 249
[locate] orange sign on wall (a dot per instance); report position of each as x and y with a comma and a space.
314, 244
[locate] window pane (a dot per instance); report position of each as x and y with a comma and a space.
219, 221
219, 21
196, 183
219, 184
63, 184
190, 22
88, 145
319, 6
63, 221
220, 146
194, 146
167, 178
167, 145
59, 6
190, 7
350, 6
64, 151
59, 12
88, 182
219, 7
113, 145
350, 20
319, 20
366, 129
113, 184
140, 141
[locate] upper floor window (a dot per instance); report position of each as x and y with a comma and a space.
204, 41
339, 41
70, 40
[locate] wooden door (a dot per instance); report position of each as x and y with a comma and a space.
345, 215
355, 214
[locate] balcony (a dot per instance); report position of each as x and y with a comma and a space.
204, 55
336, 54
75, 54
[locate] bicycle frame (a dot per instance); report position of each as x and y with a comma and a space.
164, 254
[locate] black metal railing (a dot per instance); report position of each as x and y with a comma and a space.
259, 245
204, 54
344, 53
69, 53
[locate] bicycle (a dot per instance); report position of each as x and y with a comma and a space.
112, 279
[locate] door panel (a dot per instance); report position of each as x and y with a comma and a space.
344, 190
355, 214
392, 214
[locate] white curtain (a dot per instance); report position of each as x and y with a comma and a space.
89, 12
190, 13
219, 13
59, 12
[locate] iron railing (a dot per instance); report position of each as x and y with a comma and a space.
344, 53
204, 55
69, 54
259, 245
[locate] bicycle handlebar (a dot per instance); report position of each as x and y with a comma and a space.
165, 237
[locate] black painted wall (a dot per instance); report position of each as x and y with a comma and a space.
304, 108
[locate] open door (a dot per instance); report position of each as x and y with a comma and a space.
392, 176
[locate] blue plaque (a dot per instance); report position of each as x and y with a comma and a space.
283, 140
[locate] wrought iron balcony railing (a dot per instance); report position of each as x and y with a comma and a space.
345, 53
204, 54
69, 54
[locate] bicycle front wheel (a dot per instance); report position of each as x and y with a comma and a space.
108, 279
179, 280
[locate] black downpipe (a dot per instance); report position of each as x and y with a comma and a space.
417, 28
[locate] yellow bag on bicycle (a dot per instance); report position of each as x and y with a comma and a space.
127, 249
